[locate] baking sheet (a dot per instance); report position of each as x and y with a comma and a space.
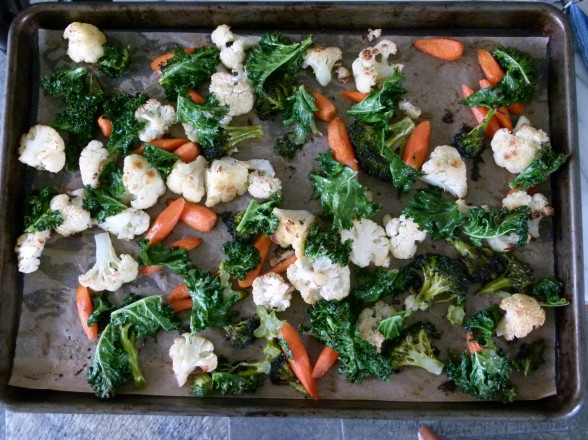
52, 352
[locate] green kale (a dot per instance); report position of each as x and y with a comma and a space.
271, 99
372, 285
481, 224
434, 213
163, 161
530, 357
127, 341
102, 308
120, 110
482, 263
543, 165
38, 215
342, 196
391, 327
147, 316
548, 292
202, 385
242, 257
257, 218
482, 325
107, 199
470, 141
185, 70
323, 242
414, 348
68, 84
115, 60
517, 277
175, 259
241, 334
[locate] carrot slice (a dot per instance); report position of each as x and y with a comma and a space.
181, 305
490, 67
502, 115
165, 221
340, 143
354, 95
105, 125
199, 217
169, 144
188, 152
518, 108
283, 266
417, 146
163, 59
325, 361
179, 293
443, 48
195, 96
473, 345
262, 244
298, 359
85, 309
480, 112
326, 109
186, 243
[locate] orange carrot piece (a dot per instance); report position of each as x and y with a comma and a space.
300, 362
160, 60
340, 143
188, 152
326, 109
139, 150
473, 345
354, 95
502, 115
169, 144
490, 67
105, 125
417, 146
480, 112
148, 270
518, 108
262, 244
199, 217
187, 244
181, 305
179, 293
283, 266
325, 361
195, 96
444, 48
85, 309
165, 221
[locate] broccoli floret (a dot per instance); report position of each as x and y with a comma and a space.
115, 60
38, 215
482, 325
288, 145
517, 276
482, 264
282, 374
371, 285
203, 386
242, 257
444, 279
530, 357
320, 243
240, 378
484, 374
548, 292
414, 349
241, 335
470, 141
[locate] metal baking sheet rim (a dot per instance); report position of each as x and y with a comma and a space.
462, 17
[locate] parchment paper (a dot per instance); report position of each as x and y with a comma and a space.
53, 353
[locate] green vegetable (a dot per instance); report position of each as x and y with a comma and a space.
342, 196
391, 327
543, 165
127, 341
483, 324
372, 285
271, 99
269, 324
102, 308
482, 264
484, 374
147, 316
414, 349
108, 197
530, 357
242, 257
202, 385
241, 334
323, 242
163, 161
517, 277
481, 224
120, 110
455, 314
38, 215
517, 85
115, 60
434, 213
282, 374
175, 259
333, 322
68, 84
470, 141
186, 70
548, 292
257, 218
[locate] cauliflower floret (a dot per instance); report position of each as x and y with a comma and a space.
371, 68
233, 55
409, 109
537, 202
158, 118
264, 166
319, 278
370, 244
515, 151
271, 291
322, 60
446, 169
343, 74
85, 42
43, 148
75, 218
226, 179
110, 272
187, 179
234, 91
368, 321
504, 243
262, 186
293, 228
189, 352
92, 159
142, 181
404, 235
29, 247
127, 224
373, 34
523, 314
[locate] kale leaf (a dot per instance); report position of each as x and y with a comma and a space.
115, 60
38, 215
324, 242
163, 161
372, 285
543, 165
147, 316
481, 224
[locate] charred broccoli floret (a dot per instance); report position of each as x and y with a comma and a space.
548, 292
241, 334
414, 349
470, 141
240, 378
517, 276
530, 357
282, 374
203, 385
482, 264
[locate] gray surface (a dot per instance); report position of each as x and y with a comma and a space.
16, 426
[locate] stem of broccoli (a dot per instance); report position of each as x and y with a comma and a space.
240, 134
496, 285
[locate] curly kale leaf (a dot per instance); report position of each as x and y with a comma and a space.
530, 357
371, 285
115, 60
323, 242
271, 99
38, 215
258, 218
147, 316
175, 259
163, 161
102, 308
543, 165
482, 224
548, 292
241, 258
107, 199
120, 110
482, 325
